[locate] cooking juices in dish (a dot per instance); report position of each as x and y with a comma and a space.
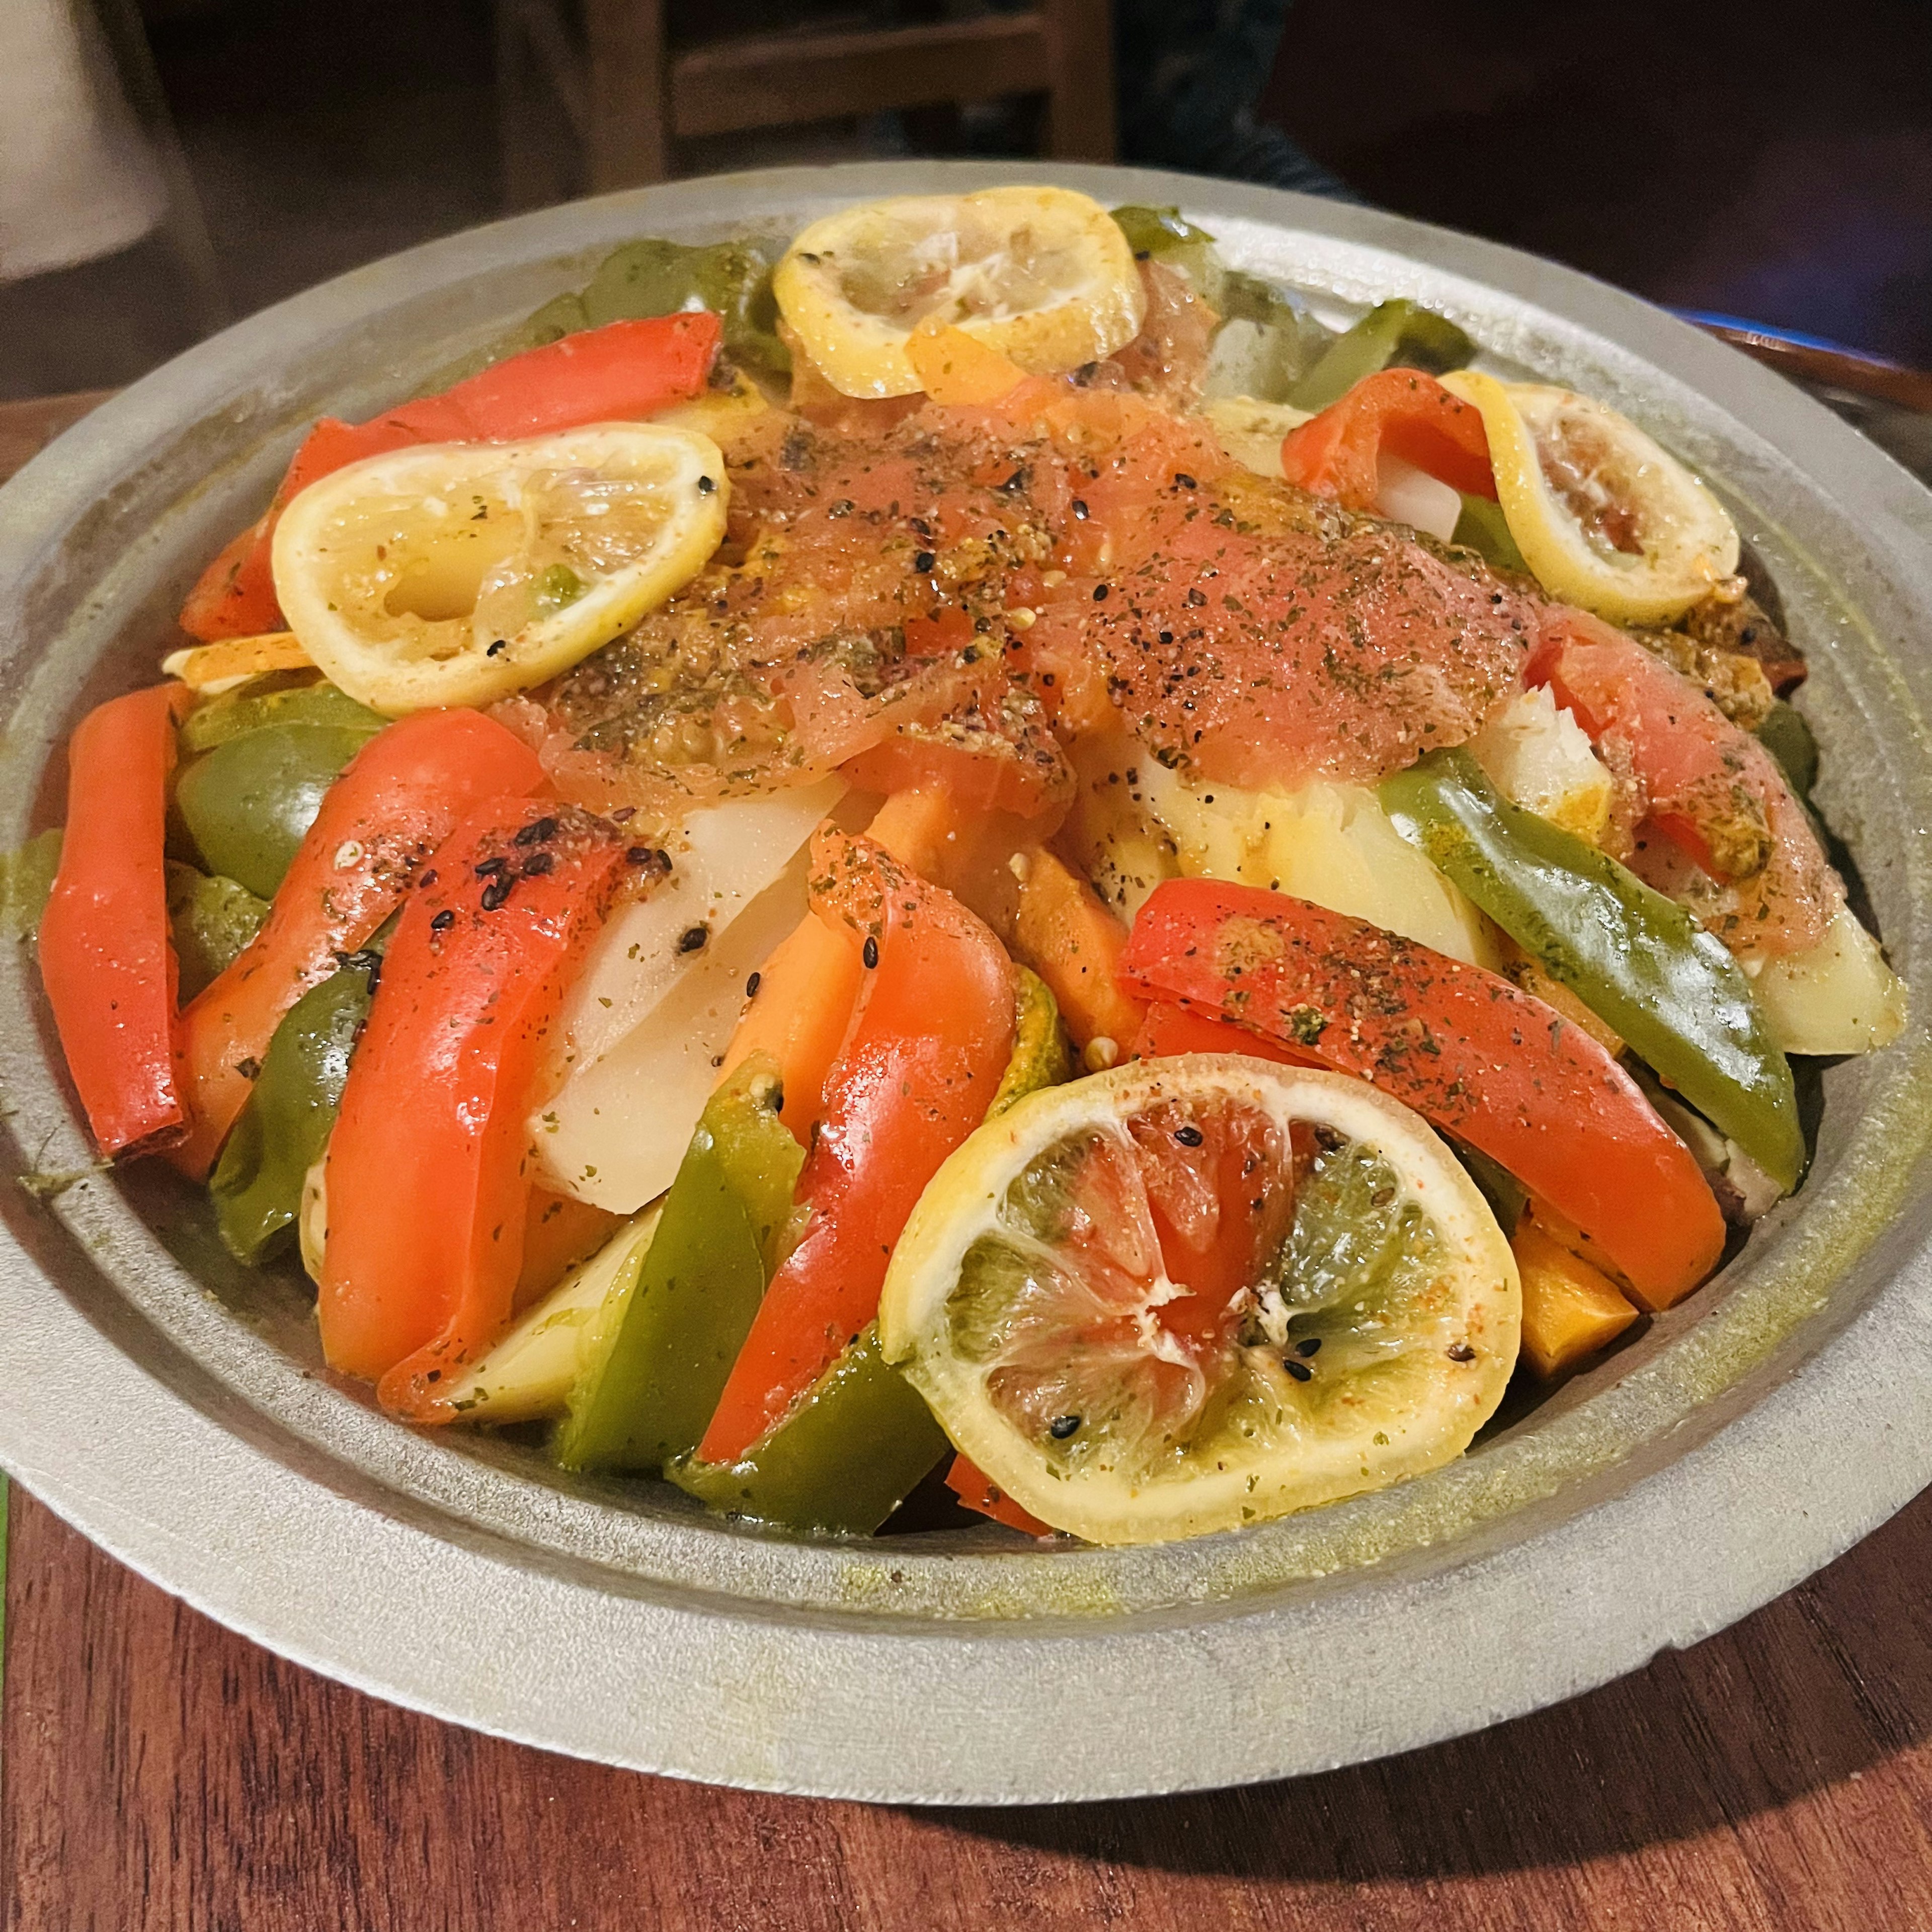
966, 847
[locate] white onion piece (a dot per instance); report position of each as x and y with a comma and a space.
1405, 494
722, 858
614, 1135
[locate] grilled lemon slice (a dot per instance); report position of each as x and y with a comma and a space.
1192, 1294
457, 573
1604, 516
1042, 274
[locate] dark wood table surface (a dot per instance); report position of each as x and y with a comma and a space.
156, 1770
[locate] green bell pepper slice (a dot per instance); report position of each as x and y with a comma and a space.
27, 882
1395, 334
664, 1339
247, 803
260, 704
1636, 959
840, 1462
1042, 1056
1787, 737
213, 919
281, 1131
1483, 528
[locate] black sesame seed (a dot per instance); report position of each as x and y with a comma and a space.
1062, 1426
639, 855
1189, 1136
1184, 481
502, 644
536, 832
751, 985
1313, 1346
427, 879
539, 863
496, 891
706, 485
1100, 593
623, 814
924, 561
1300, 1371
1079, 511
871, 955
692, 937
443, 921
485, 869
1461, 1352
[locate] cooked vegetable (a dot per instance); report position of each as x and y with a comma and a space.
426, 1181
1398, 333
1476, 1056
281, 1131
456, 574
1570, 1309
1040, 1058
107, 954
211, 669
929, 1044
1539, 758
1633, 957
628, 370
391, 807
27, 876
1074, 943
1130, 1349
260, 704
248, 802
1343, 452
845, 1455
1042, 274
1605, 516
213, 919
666, 1335
1839, 996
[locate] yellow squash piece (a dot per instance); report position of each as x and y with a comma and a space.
211, 669
458, 573
1604, 516
1041, 275
1569, 1309
1025, 1300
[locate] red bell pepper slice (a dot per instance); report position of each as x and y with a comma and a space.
1475, 1055
1401, 411
979, 1493
426, 1179
107, 955
393, 804
623, 370
1171, 1029
929, 1040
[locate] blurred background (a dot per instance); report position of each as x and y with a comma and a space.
168, 165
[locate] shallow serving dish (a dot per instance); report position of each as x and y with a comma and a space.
173, 1406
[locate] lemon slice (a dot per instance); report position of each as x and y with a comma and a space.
1042, 274
1191, 1294
1603, 517
457, 573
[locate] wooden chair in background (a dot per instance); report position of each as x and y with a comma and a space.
605, 68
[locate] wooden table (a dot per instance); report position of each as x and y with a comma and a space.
156, 1770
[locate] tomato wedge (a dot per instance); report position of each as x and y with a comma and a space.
1470, 1052
1400, 411
106, 956
425, 1182
929, 1040
393, 804
623, 370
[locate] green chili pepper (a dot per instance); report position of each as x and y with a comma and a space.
1787, 737
664, 1339
281, 1133
1395, 334
248, 802
1483, 528
213, 919
842, 1461
27, 881
253, 708
1634, 958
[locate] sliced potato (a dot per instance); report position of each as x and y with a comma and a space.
1540, 758
1840, 997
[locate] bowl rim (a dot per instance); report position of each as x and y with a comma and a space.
224, 1482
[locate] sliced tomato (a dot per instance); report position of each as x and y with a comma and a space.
1708, 789
1170, 1030
1471, 1053
929, 1040
623, 370
1400, 412
106, 956
393, 804
426, 1180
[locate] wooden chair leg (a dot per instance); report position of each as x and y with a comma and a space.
629, 132
1080, 112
